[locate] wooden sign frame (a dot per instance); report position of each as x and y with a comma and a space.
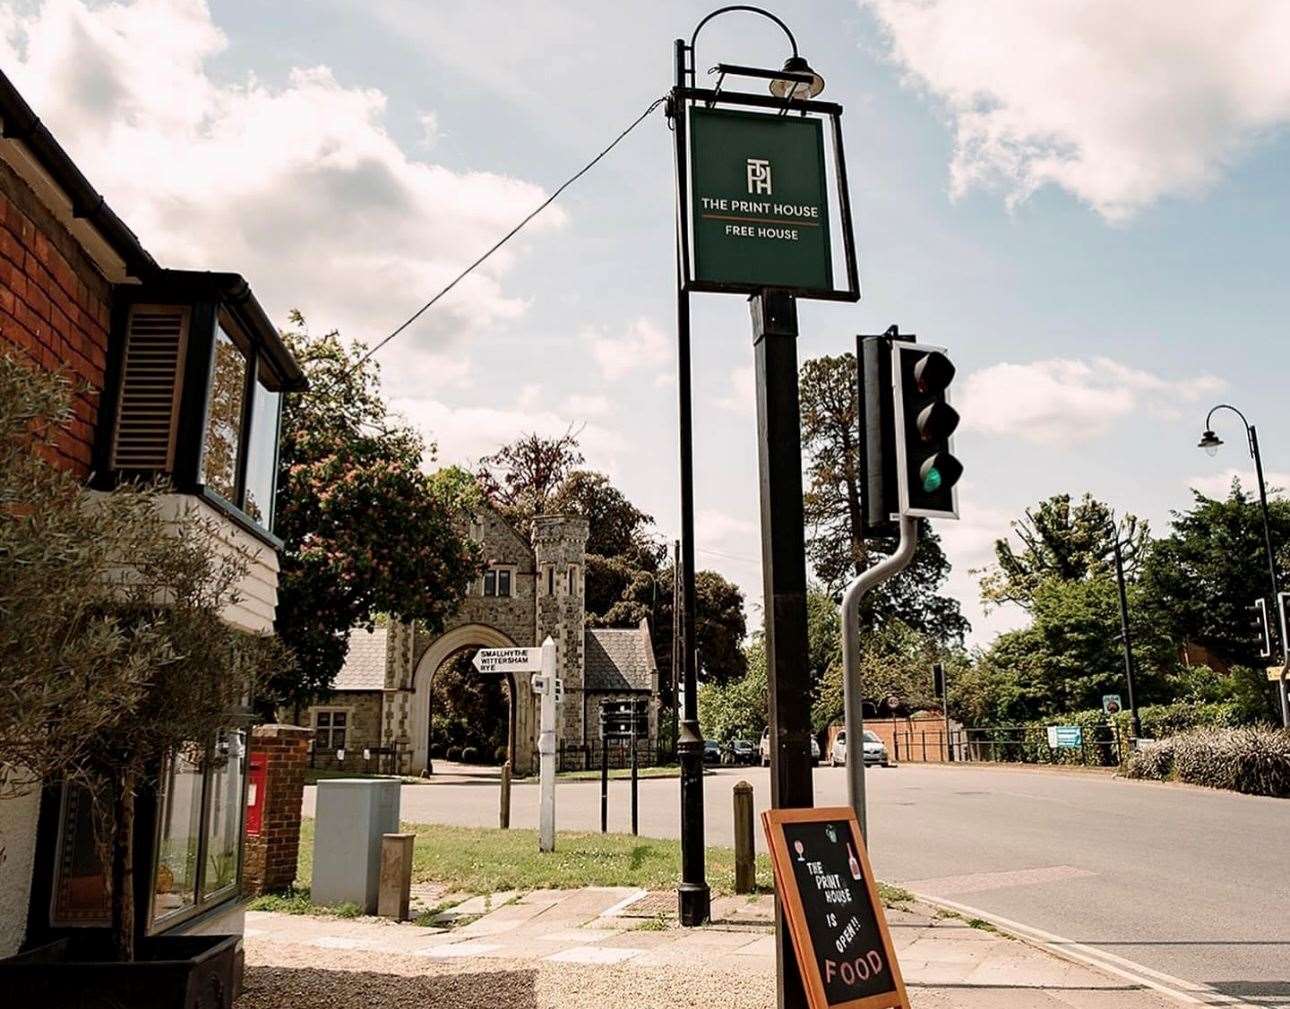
791, 902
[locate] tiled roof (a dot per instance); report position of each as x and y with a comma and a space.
619, 659
364, 667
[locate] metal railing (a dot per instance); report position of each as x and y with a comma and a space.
586, 756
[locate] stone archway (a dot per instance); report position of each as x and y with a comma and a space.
444, 647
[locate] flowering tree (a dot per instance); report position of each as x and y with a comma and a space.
367, 530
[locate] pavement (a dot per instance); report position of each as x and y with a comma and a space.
566, 949
1176, 884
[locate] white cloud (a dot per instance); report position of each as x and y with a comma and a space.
1118, 103
643, 346
586, 405
1219, 484
465, 433
1067, 399
714, 526
299, 187
742, 397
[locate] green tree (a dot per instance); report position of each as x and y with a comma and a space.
1063, 540
114, 654
835, 544
737, 709
366, 530
522, 478
1201, 580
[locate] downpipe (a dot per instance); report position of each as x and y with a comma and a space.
852, 698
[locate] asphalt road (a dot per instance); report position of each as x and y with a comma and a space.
1186, 881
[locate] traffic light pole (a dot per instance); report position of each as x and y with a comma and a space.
853, 692
1124, 636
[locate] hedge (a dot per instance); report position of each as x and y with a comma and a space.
1253, 760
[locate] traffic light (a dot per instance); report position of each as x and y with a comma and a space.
938, 680
926, 470
1261, 626
879, 497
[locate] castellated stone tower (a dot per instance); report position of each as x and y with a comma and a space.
560, 555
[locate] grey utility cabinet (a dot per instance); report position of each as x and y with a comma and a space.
351, 814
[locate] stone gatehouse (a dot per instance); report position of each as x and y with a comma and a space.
380, 701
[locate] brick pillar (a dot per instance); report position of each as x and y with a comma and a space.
270, 853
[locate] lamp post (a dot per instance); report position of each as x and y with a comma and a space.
1125, 640
693, 893
1210, 442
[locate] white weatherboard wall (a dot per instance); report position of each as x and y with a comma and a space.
258, 590
17, 855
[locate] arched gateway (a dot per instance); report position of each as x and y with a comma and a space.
381, 699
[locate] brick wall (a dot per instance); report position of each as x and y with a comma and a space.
270, 857
54, 308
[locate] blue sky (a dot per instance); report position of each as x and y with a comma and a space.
1086, 203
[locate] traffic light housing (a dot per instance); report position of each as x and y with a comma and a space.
938, 681
879, 498
927, 472
1263, 628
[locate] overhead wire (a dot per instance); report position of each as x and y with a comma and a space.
515, 230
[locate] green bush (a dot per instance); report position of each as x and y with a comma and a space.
453, 753
1253, 760
470, 755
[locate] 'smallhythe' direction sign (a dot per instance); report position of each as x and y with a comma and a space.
508, 660
834, 915
759, 200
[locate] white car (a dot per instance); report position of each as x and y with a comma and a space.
763, 750
875, 750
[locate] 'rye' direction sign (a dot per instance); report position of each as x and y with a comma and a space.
508, 660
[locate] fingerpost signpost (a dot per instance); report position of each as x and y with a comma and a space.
755, 216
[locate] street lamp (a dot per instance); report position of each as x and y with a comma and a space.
1210, 442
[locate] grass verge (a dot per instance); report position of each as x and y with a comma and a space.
296, 901
487, 860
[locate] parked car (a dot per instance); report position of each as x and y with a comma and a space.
711, 751
742, 752
875, 750
764, 749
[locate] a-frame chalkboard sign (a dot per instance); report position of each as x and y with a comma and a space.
830, 901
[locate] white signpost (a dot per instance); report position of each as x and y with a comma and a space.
540, 662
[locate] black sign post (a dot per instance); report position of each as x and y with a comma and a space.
835, 918
622, 720
753, 219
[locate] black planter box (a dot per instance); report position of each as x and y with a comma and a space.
171, 972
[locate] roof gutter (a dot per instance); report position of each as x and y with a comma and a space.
21, 123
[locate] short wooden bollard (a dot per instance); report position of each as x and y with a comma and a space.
745, 854
396, 876
504, 811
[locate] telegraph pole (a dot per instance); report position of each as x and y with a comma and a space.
1125, 639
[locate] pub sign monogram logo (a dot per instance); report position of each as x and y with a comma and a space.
758, 176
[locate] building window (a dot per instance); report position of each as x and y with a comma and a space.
262, 456
573, 579
224, 815
174, 879
550, 579
498, 581
330, 729
222, 448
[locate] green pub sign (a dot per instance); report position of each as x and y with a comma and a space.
759, 200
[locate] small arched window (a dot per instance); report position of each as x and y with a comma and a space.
573, 579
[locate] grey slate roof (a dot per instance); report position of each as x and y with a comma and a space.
364, 667
619, 659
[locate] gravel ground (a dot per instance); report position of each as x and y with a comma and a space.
286, 976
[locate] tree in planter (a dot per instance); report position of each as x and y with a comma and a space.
366, 530
113, 652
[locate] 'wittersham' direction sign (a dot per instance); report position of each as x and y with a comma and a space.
759, 200
508, 660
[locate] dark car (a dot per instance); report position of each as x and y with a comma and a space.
743, 752
711, 752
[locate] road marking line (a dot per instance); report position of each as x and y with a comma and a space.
1190, 992
977, 882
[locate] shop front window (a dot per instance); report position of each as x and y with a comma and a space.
179, 836
224, 817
